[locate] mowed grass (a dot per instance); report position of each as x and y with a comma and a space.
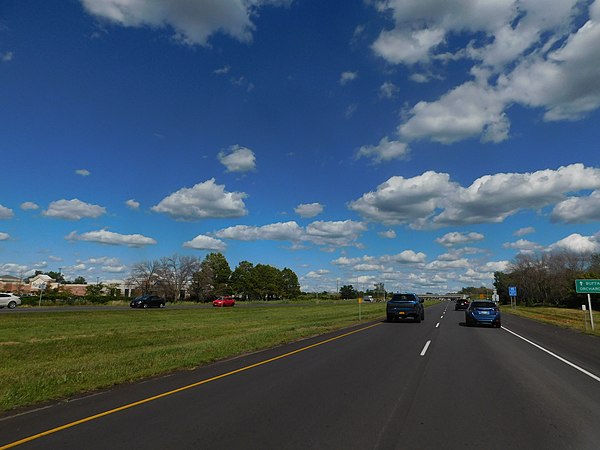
561, 317
53, 355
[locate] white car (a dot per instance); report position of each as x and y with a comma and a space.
9, 300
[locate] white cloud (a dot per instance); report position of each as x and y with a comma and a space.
578, 209
388, 234
432, 200
347, 77
402, 200
111, 238
577, 243
29, 206
192, 22
523, 245
388, 90
73, 209
534, 53
7, 56
284, 231
83, 172
456, 238
386, 150
405, 257
6, 213
338, 234
238, 159
523, 231
306, 210
132, 204
4, 236
202, 242
203, 201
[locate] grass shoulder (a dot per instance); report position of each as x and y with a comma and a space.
562, 317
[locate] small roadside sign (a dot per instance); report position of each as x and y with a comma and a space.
512, 291
588, 287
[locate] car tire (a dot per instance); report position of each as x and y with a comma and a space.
390, 318
145, 305
12, 305
418, 319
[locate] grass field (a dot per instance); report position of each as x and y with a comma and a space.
53, 355
561, 317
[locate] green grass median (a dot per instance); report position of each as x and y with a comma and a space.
53, 355
575, 319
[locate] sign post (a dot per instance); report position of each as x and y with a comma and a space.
512, 292
588, 287
360, 300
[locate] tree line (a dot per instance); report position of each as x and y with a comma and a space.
188, 277
548, 278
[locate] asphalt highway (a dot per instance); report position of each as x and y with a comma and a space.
436, 384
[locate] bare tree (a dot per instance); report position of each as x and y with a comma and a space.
175, 275
144, 276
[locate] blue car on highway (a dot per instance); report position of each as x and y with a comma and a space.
483, 312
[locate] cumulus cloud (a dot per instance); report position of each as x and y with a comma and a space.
523, 231
307, 210
578, 244
433, 200
578, 209
523, 245
111, 238
337, 234
536, 54
402, 200
283, 231
132, 204
456, 238
73, 209
6, 213
191, 23
386, 150
203, 242
29, 206
238, 159
388, 234
83, 172
203, 201
4, 236
7, 56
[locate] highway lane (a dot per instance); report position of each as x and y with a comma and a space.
382, 387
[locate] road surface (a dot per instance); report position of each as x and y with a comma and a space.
437, 384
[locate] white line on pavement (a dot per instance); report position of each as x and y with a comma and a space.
438, 324
560, 358
425, 348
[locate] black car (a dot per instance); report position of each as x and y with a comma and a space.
402, 306
461, 304
148, 301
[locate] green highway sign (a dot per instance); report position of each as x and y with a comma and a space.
587, 286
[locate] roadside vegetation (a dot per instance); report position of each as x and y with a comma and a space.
52, 355
575, 319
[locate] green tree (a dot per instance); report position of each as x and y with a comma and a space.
290, 284
347, 292
241, 280
79, 280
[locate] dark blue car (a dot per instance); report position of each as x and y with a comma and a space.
483, 312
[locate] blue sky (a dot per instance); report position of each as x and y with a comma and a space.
422, 144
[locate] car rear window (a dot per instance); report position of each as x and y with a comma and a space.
403, 298
483, 305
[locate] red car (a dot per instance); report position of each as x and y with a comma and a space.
224, 301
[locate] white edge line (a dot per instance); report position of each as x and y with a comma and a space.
438, 324
425, 348
560, 358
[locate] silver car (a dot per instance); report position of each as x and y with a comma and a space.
9, 300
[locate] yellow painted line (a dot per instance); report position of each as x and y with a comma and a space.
175, 391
